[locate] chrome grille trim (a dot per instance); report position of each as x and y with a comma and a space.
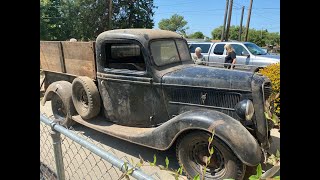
213, 98
267, 90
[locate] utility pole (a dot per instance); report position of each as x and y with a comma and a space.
240, 29
224, 21
229, 20
110, 15
248, 21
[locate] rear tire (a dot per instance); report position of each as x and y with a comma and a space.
192, 149
86, 97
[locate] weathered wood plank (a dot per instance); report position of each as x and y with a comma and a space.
79, 58
50, 56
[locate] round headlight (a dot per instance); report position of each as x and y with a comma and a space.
244, 109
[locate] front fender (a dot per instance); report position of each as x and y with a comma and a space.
59, 87
229, 130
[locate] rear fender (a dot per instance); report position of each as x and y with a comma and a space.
229, 130
61, 88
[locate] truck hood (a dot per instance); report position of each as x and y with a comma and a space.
205, 76
270, 56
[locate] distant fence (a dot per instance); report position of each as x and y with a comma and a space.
64, 154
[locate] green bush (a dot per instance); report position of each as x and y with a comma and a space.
273, 73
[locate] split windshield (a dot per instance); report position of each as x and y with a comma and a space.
169, 51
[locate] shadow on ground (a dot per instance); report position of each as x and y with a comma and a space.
130, 148
147, 153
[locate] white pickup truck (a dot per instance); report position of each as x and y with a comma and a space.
249, 55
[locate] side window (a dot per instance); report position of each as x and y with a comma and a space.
204, 47
183, 50
218, 49
192, 47
239, 49
125, 56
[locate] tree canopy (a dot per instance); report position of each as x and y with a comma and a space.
175, 23
261, 38
196, 35
86, 19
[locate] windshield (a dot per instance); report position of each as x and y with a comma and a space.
169, 51
254, 49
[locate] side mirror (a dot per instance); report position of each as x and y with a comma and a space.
245, 54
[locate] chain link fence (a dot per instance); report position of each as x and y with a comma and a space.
67, 154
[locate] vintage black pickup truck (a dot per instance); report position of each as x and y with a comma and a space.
142, 86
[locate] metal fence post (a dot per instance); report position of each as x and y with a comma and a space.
58, 153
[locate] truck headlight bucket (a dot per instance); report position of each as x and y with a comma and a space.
244, 109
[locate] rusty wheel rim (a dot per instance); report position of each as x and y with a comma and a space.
84, 100
200, 153
60, 112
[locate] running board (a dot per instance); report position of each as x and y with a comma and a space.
135, 135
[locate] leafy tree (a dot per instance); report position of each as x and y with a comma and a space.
261, 38
86, 19
175, 23
50, 19
196, 35
216, 33
233, 33
133, 14
273, 38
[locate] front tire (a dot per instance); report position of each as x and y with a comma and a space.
192, 150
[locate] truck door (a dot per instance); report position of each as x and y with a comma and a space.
242, 57
217, 55
128, 96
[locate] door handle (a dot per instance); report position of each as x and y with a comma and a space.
220, 57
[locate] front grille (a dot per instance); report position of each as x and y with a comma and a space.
267, 90
206, 97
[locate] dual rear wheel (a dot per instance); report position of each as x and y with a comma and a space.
82, 97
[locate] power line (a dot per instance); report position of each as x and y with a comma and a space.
266, 8
266, 17
238, 4
192, 11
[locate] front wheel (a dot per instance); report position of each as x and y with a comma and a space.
192, 152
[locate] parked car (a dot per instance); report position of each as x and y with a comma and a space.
249, 55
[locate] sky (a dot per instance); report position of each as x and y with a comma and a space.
206, 15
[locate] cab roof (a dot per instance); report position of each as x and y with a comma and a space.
142, 35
